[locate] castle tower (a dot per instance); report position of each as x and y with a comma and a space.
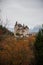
16, 23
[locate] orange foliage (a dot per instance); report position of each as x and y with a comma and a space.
16, 52
31, 39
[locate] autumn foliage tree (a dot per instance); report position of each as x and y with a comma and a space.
15, 52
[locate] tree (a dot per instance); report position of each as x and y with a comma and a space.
39, 47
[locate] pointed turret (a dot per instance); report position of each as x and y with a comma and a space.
16, 23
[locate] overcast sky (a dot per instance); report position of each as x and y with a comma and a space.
29, 12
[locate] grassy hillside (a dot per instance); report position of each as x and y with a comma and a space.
4, 30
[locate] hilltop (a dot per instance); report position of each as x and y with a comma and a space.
16, 51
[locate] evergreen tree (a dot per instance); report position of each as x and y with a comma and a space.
39, 47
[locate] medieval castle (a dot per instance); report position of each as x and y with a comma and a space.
21, 30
